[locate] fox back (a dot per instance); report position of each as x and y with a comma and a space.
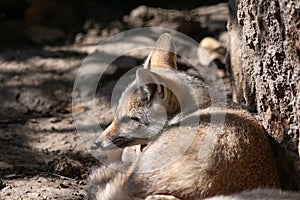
199, 161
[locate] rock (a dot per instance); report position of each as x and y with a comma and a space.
212, 19
211, 50
146, 16
209, 19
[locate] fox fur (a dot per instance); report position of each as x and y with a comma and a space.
261, 194
191, 152
106, 183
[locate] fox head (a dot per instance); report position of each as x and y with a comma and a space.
148, 103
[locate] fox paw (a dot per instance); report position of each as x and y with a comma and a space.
161, 197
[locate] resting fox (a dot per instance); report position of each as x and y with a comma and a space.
190, 153
108, 184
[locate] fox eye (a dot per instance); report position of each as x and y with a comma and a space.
125, 119
135, 119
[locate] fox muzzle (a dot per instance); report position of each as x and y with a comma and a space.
106, 144
103, 144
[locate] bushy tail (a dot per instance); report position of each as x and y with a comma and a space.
106, 183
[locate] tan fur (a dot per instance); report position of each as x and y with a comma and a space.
217, 162
161, 197
163, 54
203, 153
114, 155
161, 59
106, 183
260, 194
109, 131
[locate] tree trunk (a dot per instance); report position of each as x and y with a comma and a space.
264, 62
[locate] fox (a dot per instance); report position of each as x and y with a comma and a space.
107, 184
262, 194
191, 149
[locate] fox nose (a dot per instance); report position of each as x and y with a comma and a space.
97, 144
101, 144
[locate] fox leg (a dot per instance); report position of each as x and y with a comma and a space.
161, 197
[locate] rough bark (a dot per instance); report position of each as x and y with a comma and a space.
264, 62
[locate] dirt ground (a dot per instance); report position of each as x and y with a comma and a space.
41, 154
42, 157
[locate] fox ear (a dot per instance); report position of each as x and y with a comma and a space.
149, 83
163, 54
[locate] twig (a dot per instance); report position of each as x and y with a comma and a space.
60, 176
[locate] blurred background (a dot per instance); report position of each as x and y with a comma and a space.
39, 22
